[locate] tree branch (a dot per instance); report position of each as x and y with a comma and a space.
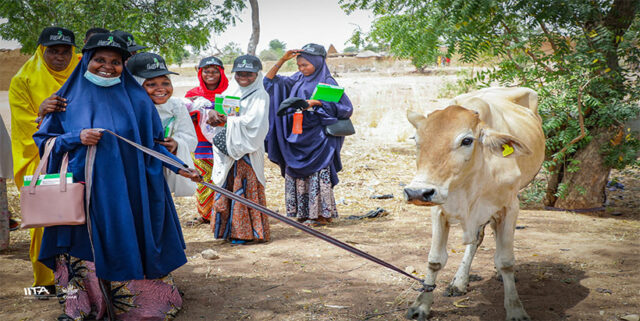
583, 132
528, 52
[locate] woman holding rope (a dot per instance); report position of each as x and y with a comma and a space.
118, 264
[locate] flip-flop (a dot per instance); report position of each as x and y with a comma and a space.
195, 222
314, 223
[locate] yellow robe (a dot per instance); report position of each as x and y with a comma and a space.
33, 83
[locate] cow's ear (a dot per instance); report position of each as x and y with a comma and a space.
503, 144
415, 118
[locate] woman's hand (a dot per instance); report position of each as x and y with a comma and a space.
52, 104
170, 144
290, 54
216, 119
314, 102
90, 136
191, 174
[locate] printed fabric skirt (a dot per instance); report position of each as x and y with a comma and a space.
78, 291
234, 221
310, 197
204, 195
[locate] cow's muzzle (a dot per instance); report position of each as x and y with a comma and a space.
420, 196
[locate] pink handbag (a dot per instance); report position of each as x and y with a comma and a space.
50, 205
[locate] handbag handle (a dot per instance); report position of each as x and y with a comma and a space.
43, 164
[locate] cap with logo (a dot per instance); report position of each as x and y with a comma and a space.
51, 36
128, 38
148, 65
210, 61
247, 63
314, 49
107, 40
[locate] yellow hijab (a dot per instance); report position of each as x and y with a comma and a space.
33, 83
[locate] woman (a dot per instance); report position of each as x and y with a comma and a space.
238, 162
212, 81
150, 70
132, 240
309, 161
31, 96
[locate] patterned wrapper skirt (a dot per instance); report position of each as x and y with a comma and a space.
310, 197
78, 290
204, 195
236, 221
4, 215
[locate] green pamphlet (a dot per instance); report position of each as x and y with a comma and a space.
48, 179
168, 127
227, 105
326, 92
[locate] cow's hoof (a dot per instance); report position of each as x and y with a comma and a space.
417, 313
453, 290
421, 307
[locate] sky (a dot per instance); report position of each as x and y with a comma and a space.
296, 22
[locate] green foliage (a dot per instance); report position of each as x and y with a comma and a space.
580, 49
275, 51
276, 45
350, 49
166, 26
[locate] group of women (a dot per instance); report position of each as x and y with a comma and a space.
118, 265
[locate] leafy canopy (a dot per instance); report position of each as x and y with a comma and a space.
582, 56
166, 26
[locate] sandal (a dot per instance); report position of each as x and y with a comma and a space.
13, 225
314, 223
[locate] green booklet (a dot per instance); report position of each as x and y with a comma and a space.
227, 105
168, 127
326, 92
48, 179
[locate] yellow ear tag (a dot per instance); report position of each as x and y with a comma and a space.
506, 150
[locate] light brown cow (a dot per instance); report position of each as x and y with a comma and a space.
473, 158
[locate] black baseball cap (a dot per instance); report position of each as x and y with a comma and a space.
208, 61
148, 65
107, 40
314, 49
128, 38
296, 103
51, 36
247, 63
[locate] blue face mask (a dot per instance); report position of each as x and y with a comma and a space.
101, 81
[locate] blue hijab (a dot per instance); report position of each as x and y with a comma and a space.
134, 225
301, 155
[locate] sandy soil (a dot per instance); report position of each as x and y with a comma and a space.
569, 266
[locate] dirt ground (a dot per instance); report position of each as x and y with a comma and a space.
569, 266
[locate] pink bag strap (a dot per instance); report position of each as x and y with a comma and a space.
44, 161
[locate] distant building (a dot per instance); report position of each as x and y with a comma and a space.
332, 50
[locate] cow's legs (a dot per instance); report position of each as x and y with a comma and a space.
458, 285
505, 262
421, 307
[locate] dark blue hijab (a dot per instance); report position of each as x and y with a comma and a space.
134, 226
301, 155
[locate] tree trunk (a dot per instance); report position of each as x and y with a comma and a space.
586, 186
255, 33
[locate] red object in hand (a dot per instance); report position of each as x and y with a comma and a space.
297, 123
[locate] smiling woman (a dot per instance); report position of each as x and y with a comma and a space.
150, 70
132, 239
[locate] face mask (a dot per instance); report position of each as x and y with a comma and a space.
101, 81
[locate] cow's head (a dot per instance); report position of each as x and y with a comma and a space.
452, 143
